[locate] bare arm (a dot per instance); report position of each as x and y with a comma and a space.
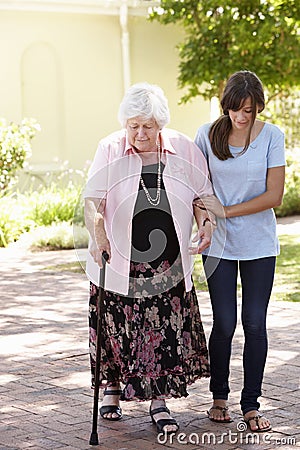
94, 221
271, 198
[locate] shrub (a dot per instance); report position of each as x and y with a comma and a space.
13, 220
53, 204
57, 237
291, 200
23, 213
15, 148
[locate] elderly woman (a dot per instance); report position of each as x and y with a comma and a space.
139, 209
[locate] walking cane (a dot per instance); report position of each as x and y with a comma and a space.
94, 434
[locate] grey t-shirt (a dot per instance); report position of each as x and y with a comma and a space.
240, 179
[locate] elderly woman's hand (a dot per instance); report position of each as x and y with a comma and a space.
96, 250
203, 238
93, 214
212, 204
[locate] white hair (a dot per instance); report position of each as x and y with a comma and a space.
147, 101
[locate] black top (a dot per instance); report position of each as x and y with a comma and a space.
154, 237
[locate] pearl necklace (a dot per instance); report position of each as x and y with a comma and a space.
156, 200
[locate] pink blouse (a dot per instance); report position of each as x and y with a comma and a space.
114, 176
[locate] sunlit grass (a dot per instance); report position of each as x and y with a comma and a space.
287, 276
198, 275
76, 267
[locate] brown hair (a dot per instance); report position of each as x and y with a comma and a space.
240, 86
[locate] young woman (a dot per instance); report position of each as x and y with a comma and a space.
246, 161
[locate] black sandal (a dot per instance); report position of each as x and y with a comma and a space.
256, 419
113, 409
224, 409
161, 423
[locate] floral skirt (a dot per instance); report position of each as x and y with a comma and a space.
152, 341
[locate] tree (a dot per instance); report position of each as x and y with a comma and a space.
223, 37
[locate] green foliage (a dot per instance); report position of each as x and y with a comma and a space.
58, 236
284, 111
258, 35
51, 205
13, 220
15, 148
223, 37
291, 200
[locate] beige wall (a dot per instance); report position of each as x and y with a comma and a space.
66, 70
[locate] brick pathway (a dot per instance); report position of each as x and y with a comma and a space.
45, 398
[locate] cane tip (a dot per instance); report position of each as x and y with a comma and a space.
94, 439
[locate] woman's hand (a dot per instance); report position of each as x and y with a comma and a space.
203, 238
96, 250
93, 213
212, 204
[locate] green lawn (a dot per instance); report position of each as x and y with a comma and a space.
287, 277
76, 266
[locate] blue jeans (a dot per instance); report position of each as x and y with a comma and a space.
257, 280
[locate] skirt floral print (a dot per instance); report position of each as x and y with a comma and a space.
152, 340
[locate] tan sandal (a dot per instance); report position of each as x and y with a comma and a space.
256, 419
224, 410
